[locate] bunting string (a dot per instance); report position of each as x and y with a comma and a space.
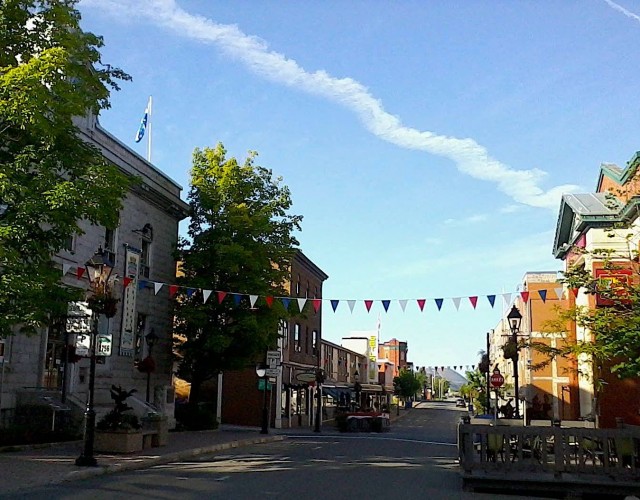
301, 302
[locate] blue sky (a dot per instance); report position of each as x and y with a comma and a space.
426, 144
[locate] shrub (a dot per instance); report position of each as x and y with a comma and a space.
196, 417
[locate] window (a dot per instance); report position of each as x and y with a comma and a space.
110, 242
296, 337
145, 259
307, 340
141, 327
298, 287
314, 335
70, 244
283, 331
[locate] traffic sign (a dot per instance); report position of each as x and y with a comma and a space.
496, 379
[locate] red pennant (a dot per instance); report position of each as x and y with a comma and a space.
474, 301
421, 303
269, 300
172, 290
221, 296
575, 291
525, 296
368, 304
316, 304
80, 272
126, 280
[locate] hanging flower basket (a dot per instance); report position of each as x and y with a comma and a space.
103, 304
510, 350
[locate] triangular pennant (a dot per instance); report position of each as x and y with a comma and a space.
352, 304
301, 303
142, 284
474, 301
157, 287
439, 303
456, 302
285, 302
367, 304
575, 291
316, 304
385, 304
421, 303
269, 300
543, 295
559, 292
403, 304
126, 280
473, 367
507, 298
190, 291
237, 297
252, 300
334, 304
525, 296
80, 272
205, 295
221, 296
491, 299
65, 269
173, 289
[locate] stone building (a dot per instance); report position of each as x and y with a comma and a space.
36, 369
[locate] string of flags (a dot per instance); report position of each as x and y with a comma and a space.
317, 302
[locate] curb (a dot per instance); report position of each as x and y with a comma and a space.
144, 463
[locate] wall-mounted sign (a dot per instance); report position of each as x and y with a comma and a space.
306, 377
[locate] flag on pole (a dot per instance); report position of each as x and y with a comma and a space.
143, 122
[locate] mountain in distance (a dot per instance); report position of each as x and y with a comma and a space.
453, 377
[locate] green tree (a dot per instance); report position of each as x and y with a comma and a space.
476, 390
406, 384
50, 179
241, 241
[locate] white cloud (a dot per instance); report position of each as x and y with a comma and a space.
471, 158
620, 8
472, 219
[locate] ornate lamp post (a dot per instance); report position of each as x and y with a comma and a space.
319, 382
99, 269
261, 372
151, 338
357, 387
515, 318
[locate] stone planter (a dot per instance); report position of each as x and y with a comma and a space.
123, 441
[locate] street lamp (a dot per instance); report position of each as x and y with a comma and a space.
319, 382
261, 372
99, 269
151, 339
357, 387
514, 317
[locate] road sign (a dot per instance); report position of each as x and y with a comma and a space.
496, 379
272, 372
273, 359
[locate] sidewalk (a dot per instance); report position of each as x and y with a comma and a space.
56, 463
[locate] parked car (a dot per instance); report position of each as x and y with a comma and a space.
461, 403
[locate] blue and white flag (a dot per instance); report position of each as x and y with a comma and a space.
143, 123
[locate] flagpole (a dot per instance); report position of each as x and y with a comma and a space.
149, 126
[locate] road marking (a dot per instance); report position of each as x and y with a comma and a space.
419, 441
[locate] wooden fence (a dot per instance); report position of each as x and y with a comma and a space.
549, 457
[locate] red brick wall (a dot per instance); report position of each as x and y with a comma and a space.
242, 402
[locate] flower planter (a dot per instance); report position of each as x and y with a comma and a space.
120, 441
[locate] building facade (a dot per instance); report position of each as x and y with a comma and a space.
42, 369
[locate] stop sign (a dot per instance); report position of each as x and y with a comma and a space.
496, 379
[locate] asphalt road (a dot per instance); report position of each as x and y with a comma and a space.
416, 459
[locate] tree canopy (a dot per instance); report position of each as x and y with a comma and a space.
240, 240
406, 384
50, 179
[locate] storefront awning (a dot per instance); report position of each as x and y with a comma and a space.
336, 392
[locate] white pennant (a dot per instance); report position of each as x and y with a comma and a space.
252, 300
403, 304
352, 304
205, 295
157, 287
65, 269
507, 298
559, 292
456, 302
301, 303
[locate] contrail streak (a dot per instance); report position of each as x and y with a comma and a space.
620, 8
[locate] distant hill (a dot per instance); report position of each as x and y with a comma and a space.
453, 377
